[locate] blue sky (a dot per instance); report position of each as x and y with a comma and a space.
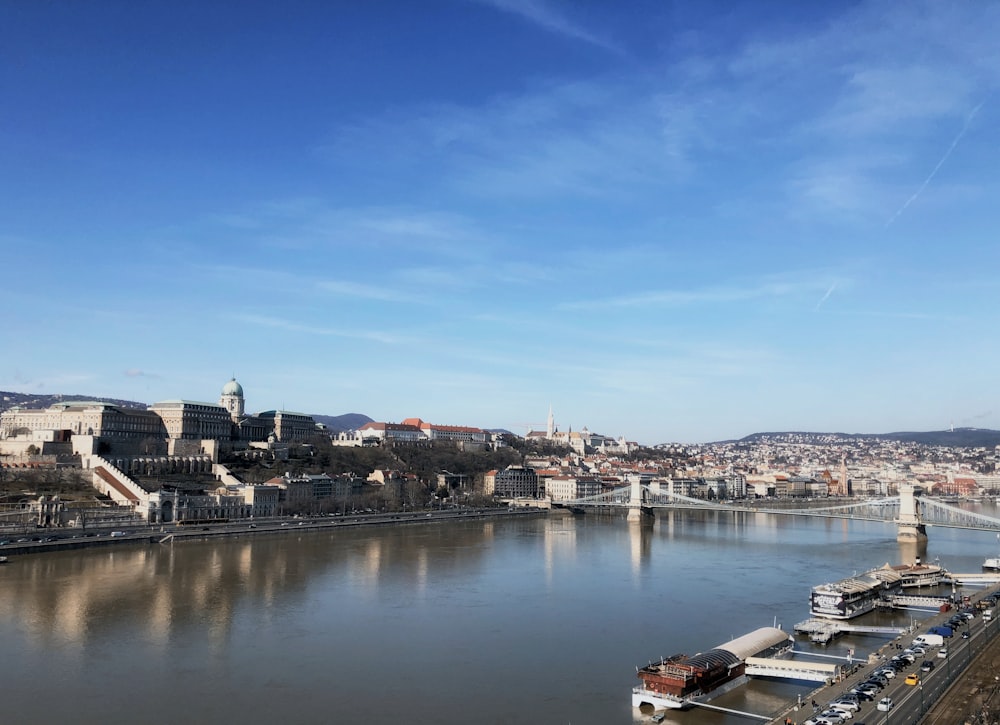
672, 221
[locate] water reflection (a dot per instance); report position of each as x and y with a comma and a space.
64, 599
542, 619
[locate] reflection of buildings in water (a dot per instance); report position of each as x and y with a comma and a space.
558, 535
65, 599
62, 599
372, 562
420, 570
640, 536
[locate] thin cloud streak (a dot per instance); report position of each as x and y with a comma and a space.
543, 15
930, 177
289, 326
826, 296
709, 295
364, 291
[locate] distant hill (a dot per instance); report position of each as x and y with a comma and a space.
957, 438
34, 400
347, 421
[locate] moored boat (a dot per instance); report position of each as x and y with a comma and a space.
919, 574
680, 681
854, 596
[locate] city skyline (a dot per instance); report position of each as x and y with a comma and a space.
671, 222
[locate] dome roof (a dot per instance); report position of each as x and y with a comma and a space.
233, 388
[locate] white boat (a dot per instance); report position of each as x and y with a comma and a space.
921, 575
992, 563
857, 595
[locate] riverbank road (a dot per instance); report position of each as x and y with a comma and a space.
941, 685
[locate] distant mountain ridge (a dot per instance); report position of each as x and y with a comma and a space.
34, 400
347, 421
957, 438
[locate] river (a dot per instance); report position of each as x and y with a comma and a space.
526, 620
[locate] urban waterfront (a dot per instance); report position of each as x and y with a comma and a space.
515, 621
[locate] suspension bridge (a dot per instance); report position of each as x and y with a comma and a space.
910, 512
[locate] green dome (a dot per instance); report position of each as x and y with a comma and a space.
233, 388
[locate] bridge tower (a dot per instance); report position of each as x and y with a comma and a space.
910, 526
635, 511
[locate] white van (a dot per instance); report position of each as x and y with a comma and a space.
929, 640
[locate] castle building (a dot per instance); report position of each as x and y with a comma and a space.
128, 431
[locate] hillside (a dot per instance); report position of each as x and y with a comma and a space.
347, 421
35, 400
957, 438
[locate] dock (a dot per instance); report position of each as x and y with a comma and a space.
792, 669
822, 631
979, 578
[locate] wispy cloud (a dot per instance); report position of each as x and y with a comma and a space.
704, 295
603, 138
306, 329
545, 15
356, 290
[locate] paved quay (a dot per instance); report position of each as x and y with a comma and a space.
132, 532
962, 684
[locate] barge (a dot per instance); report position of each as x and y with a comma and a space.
857, 595
919, 574
680, 681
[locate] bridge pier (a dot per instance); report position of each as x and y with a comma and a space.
911, 528
636, 511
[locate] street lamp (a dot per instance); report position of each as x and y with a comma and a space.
921, 687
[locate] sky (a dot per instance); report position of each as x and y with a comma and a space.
669, 221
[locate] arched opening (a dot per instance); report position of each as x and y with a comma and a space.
167, 512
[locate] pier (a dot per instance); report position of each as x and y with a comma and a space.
822, 631
978, 579
911, 703
792, 669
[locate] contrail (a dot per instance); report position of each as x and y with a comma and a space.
940, 163
827, 295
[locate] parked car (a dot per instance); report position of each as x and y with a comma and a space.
836, 716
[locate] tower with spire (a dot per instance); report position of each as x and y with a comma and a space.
550, 426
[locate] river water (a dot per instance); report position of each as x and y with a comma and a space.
524, 620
